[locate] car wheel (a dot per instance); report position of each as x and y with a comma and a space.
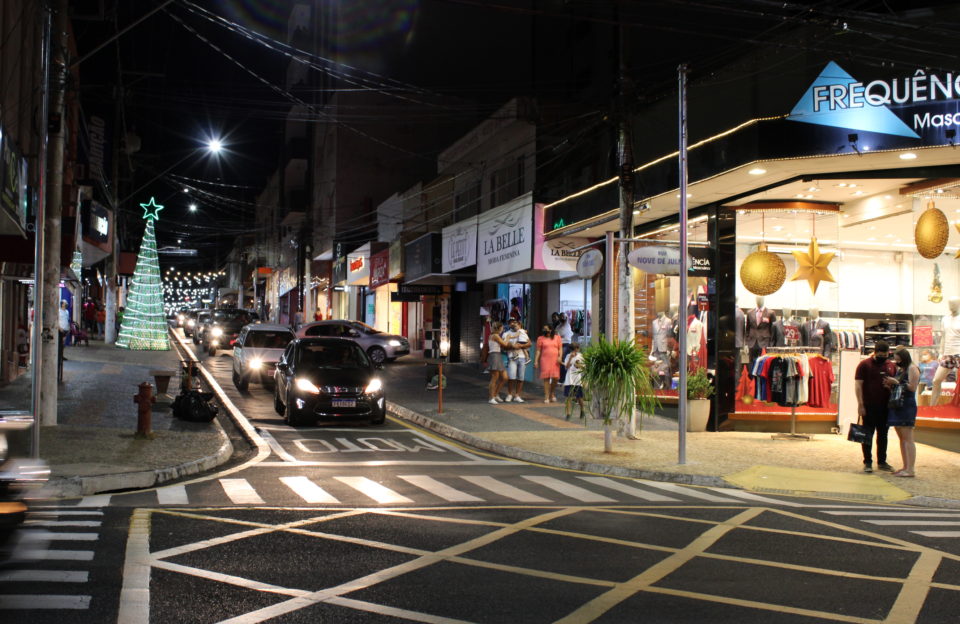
278, 407
235, 378
377, 355
380, 419
244, 383
295, 417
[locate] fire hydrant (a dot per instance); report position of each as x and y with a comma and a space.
145, 400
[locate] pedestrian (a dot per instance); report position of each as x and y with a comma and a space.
928, 368
565, 331
101, 322
496, 362
517, 358
90, 316
903, 417
873, 397
547, 360
120, 311
572, 386
63, 324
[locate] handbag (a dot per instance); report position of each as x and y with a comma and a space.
860, 434
896, 396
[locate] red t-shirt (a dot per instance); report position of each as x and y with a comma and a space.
871, 373
821, 382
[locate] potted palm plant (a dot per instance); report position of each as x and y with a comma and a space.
699, 391
616, 380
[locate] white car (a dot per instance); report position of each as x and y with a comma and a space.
256, 352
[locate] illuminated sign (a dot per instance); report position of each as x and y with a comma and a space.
101, 225
356, 264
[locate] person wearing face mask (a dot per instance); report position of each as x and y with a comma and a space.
873, 396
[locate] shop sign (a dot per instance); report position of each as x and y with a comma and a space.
902, 106
13, 182
422, 257
380, 268
923, 335
287, 281
460, 245
396, 259
700, 261
559, 254
413, 292
340, 271
505, 240
590, 263
358, 271
97, 221
659, 259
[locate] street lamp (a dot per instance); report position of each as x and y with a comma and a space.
193, 207
214, 145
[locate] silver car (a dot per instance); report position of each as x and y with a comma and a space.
380, 347
257, 351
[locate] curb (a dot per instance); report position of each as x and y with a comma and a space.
550, 460
72, 487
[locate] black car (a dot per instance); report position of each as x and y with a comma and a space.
200, 324
221, 331
327, 378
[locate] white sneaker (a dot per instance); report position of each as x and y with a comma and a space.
498, 399
508, 399
493, 402
517, 399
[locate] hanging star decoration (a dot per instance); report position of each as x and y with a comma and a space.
812, 266
151, 214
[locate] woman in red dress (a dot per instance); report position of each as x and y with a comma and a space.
547, 359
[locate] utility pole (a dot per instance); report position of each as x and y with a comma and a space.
110, 323
54, 212
625, 303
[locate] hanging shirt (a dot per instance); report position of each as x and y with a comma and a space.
821, 382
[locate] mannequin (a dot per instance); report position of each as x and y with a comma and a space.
789, 328
660, 332
740, 328
949, 347
760, 322
815, 332
696, 343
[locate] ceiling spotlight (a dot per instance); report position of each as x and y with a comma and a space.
908, 156
757, 171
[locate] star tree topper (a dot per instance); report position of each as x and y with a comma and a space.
812, 266
151, 214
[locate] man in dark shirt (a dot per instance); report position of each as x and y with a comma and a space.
873, 393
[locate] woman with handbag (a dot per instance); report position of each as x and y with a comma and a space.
903, 408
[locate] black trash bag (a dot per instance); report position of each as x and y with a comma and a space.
195, 406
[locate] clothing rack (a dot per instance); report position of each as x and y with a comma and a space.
795, 351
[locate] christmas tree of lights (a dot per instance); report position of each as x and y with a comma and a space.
144, 326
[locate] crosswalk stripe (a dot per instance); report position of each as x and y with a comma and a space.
63, 523
308, 490
938, 533
100, 500
45, 576
913, 522
755, 498
569, 489
505, 489
172, 495
620, 486
439, 489
48, 513
58, 555
40, 536
687, 491
374, 490
899, 514
240, 492
43, 601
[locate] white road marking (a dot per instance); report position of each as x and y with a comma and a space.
505, 489
276, 447
692, 492
913, 522
754, 498
938, 533
46, 535
172, 495
43, 601
439, 489
63, 523
899, 514
240, 492
61, 512
58, 555
374, 490
44, 576
308, 490
568, 489
100, 500
620, 486
387, 462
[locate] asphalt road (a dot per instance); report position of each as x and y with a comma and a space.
355, 523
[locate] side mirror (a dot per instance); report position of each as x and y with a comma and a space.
353, 333
282, 367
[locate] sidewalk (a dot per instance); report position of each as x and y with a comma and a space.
826, 465
92, 448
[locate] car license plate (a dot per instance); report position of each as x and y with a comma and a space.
344, 402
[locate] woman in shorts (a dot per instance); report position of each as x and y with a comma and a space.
496, 362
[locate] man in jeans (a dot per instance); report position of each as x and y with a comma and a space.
872, 397
517, 360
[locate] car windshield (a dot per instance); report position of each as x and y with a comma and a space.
268, 339
332, 356
363, 327
230, 316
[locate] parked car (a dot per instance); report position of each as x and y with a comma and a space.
199, 325
257, 351
327, 378
379, 346
222, 329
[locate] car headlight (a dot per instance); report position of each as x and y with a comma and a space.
255, 364
374, 386
216, 332
191, 323
179, 318
393, 343
306, 385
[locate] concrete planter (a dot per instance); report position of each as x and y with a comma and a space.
698, 414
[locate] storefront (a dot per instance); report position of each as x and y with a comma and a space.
388, 314
427, 289
460, 263
360, 305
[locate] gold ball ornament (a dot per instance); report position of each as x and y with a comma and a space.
762, 272
931, 233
